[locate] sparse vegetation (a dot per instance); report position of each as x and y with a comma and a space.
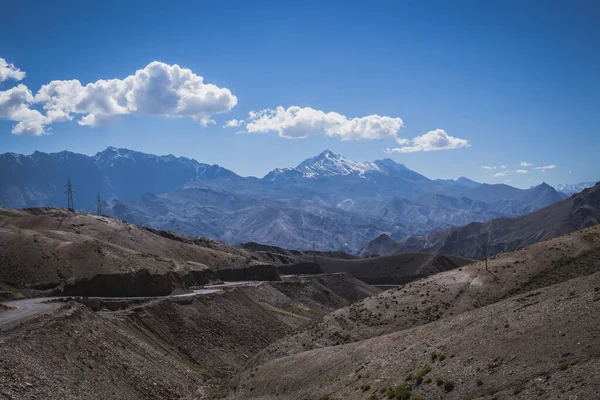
448, 386
365, 387
564, 366
401, 392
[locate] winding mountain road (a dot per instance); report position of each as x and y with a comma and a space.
23, 309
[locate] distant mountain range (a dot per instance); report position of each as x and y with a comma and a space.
580, 211
327, 202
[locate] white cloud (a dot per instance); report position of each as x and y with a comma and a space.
545, 168
15, 106
488, 167
159, 90
501, 174
521, 171
525, 164
432, 141
301, 122
233, 123
502, 166
9, 71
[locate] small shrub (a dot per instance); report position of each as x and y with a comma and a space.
439, 382
516, 391
564, 366
409, 378
419, 380
365, 387
373, 397
448, 386
479, 382
426, 369
428, 380
442, 357
433, 356
326, 397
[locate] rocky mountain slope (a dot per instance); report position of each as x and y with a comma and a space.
393, 269
525, 328
502, 234
76, 253
167, 349
327, 201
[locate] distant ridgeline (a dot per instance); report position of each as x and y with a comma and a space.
327, 202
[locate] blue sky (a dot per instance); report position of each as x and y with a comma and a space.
506, 82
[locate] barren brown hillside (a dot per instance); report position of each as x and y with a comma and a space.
51, 249
451, 293
541, 344
172, 348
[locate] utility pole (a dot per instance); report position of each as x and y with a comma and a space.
485, 254
70, 192
99, 210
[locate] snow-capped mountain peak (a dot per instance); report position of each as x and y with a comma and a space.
330, 164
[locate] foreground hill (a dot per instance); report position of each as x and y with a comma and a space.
541, 344
172, 348
451, 293
502, 234
76, 253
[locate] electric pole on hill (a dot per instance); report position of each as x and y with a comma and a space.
99, 211
69, 192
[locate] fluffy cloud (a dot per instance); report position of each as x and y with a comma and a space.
233, 123
15, 106
501, 174
503, 166
521, 171
301, 122
525, 164
432, 141
545, 168
9, 71
159, 90
489, 167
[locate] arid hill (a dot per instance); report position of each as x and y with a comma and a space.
502, 234
76, 253
540, 344
393, 269
451, 293
171, 348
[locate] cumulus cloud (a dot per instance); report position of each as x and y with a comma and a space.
159, 90
233, 123
9, 71
432, 141
15, 106
301, 122
545, 168
525, 164
501, 174
489, 167
503, 166
521, 171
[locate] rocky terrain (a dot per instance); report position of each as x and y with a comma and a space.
525, 328
395, 269
327, 202
167, 349
81, 254
503, 234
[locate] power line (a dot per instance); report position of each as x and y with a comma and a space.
70, 192
99, 210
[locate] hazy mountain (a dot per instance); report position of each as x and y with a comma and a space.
327, 201
503, 234
570, 188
